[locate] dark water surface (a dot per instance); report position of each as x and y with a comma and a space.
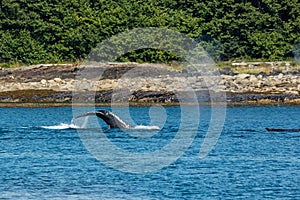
247, 162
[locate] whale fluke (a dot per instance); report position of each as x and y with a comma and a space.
112, 120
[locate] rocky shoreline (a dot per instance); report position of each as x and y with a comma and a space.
139, 84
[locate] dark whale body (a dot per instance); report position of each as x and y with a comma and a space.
283, 129
112, 120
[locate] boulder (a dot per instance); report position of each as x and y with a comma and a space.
44, 81
242, 76
57, 80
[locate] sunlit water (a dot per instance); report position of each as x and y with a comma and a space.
43, 157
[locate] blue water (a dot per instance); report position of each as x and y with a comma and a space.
247, 161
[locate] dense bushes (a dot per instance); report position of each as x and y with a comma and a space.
34, 31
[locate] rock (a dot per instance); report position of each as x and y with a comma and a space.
242, 76
226, 71
280, 76
57, 80
253, 79
43, 81
51, 82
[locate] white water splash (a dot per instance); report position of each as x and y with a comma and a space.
84, 124
61, 126
142, 127
73, 125
85, 121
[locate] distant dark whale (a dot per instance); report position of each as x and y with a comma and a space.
112, 120
283, 129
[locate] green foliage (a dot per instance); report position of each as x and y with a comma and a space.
35, 31
22, 48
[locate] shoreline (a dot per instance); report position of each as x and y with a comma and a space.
147, 84
51, 98
220, 104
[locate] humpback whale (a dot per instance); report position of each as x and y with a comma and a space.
112, 120
283, 129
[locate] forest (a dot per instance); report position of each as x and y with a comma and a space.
54, 31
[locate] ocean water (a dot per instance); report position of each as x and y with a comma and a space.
44, 156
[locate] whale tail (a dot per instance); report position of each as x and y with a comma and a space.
84, 115
112, 120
